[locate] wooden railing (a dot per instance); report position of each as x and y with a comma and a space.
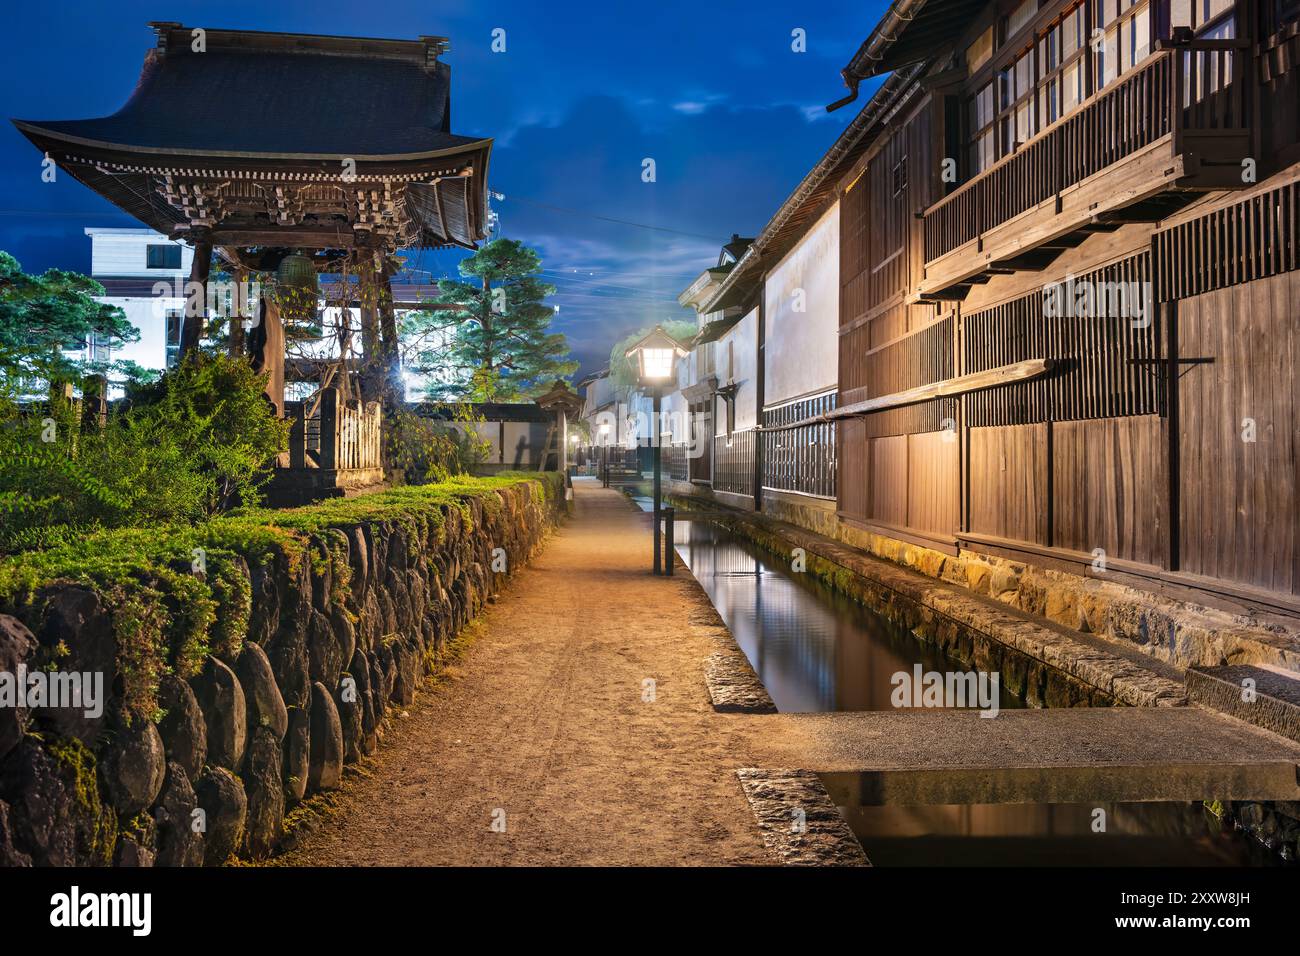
733, 462
1195, 88
334, 435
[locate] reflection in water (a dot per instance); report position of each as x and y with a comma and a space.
1050, 834
813, 648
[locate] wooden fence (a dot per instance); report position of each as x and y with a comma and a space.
733, 462
334, 435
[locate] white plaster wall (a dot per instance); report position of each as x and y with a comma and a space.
742, 339
123, 252
802, 348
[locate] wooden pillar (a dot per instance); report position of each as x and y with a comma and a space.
298, 437
330, 422
369, 309
390, 348
94, 402
562, 429
196, 311
235, 345
266, 351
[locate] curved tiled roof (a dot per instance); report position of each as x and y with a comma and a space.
276, 102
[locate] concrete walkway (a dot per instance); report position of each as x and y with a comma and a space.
545, 720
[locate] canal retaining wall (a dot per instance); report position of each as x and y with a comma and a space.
1039, 659
243, 664
1176, 632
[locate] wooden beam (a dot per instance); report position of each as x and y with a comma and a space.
961, 385
196, 312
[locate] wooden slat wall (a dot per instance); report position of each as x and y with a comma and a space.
932, 493
896, 468
733, 462
1239, 499
1008, 482
1108, 483
887, 459
1248, 240
854, 460
1106, 365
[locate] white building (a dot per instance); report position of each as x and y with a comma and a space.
130, 264
142, 273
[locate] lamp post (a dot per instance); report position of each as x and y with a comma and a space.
656, 358
604, 443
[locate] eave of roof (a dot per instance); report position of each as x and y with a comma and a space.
910, 30
803, 206
43, 135
716, 330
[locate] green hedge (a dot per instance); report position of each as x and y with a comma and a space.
168, 618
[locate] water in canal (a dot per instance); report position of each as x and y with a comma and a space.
817, 650
1047, 834
813, 648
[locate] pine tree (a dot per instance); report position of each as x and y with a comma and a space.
495, 343
42, 315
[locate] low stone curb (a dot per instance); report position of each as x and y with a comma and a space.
801, 825
733, 685
1273, 704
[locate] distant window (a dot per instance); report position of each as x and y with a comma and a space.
174, 321
900, 177
1021, 16
164, 257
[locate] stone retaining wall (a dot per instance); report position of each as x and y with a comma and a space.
331, 648
1043, 665
1179, 633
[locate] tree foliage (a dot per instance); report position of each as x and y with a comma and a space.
42, 316
495, 344
199, 441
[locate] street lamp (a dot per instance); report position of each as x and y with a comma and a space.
604, 442
656, 358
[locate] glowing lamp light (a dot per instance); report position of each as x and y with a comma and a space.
655, 357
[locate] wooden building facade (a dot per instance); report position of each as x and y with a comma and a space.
1068, 276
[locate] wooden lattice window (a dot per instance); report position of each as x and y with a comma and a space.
1250, 239
1100, 329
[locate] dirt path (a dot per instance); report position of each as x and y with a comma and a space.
544, 719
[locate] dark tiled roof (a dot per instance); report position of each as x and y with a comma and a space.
277, 100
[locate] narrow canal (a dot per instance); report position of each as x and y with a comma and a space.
813, 648
817, 650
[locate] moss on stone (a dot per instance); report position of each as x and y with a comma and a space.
170, 611
99, 822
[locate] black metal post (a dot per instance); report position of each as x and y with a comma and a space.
654, 457
605, 465
670, 515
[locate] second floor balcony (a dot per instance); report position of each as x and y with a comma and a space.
1176, 126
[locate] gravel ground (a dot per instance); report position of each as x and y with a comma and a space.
544, 718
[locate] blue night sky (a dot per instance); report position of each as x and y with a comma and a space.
712, 91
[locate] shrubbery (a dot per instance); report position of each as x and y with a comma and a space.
196, 443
